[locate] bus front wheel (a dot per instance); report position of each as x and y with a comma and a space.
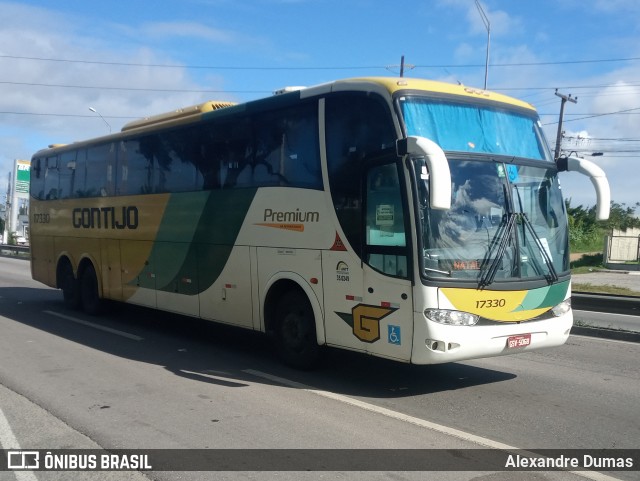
296, 331
89, 296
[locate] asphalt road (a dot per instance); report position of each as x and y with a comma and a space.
136, 378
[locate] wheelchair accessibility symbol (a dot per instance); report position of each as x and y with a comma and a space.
393, 335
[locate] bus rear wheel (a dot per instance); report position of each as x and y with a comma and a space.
69, 286
90, 298
296, 331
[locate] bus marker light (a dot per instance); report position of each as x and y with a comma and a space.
562, 308
313, 280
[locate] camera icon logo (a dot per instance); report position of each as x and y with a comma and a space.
23, 459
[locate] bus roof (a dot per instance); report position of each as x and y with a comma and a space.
177, 116
398, 84
390, 85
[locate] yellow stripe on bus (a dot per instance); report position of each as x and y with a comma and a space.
504, 306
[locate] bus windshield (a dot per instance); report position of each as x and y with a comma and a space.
506, 222
465, 127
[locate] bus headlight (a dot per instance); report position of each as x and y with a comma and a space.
452, 318
562, 308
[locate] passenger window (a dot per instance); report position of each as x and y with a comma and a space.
67, 174
80, 178
177, 168
137, 168
37, 178
232, 154
96, 180
51, 179
287, 148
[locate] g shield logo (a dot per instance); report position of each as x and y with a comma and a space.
365, 321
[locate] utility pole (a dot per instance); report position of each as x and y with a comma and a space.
564, 99
403, 66
487, 25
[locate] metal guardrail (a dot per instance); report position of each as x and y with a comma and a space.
14, 249
586, 301
626, 305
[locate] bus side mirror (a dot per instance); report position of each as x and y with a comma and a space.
598, 179
437, 164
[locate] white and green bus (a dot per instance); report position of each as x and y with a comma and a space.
407, 219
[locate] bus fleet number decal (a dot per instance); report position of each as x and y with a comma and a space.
490, 303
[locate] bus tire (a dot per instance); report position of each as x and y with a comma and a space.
70, 287
91, 302
296, 331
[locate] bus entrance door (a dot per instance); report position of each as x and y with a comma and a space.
385, 318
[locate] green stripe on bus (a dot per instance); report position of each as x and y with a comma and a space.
544, 297
195, 260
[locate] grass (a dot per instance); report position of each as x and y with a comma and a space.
587, 264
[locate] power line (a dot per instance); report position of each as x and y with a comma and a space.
41, 114
134, 89
146, 89
596, 115
352, 67
620, 139
195, 67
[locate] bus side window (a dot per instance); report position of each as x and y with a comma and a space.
51, 179
285, 150
301, 151
357, 125
67, 173
384, 222
80, 175
385, 217
96, 172
37, 178
182, 152
230, 154
140, 168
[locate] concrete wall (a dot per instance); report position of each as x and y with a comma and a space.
622, 247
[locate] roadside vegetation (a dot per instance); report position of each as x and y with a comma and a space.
586, 237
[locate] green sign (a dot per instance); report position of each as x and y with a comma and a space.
23, 174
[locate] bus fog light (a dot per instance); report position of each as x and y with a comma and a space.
452, 318
562, 308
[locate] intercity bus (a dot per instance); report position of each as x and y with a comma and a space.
403, 218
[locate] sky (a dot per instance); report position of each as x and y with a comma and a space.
131, 59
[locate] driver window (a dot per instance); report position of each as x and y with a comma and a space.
385, 226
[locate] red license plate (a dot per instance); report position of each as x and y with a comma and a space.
522, 340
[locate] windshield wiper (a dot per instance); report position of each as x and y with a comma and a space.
447, 273
526, 224
489, 274
553, 275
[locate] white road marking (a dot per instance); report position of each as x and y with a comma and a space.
9, 441
95, 326
595, 476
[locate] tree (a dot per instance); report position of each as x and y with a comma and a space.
585, 231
